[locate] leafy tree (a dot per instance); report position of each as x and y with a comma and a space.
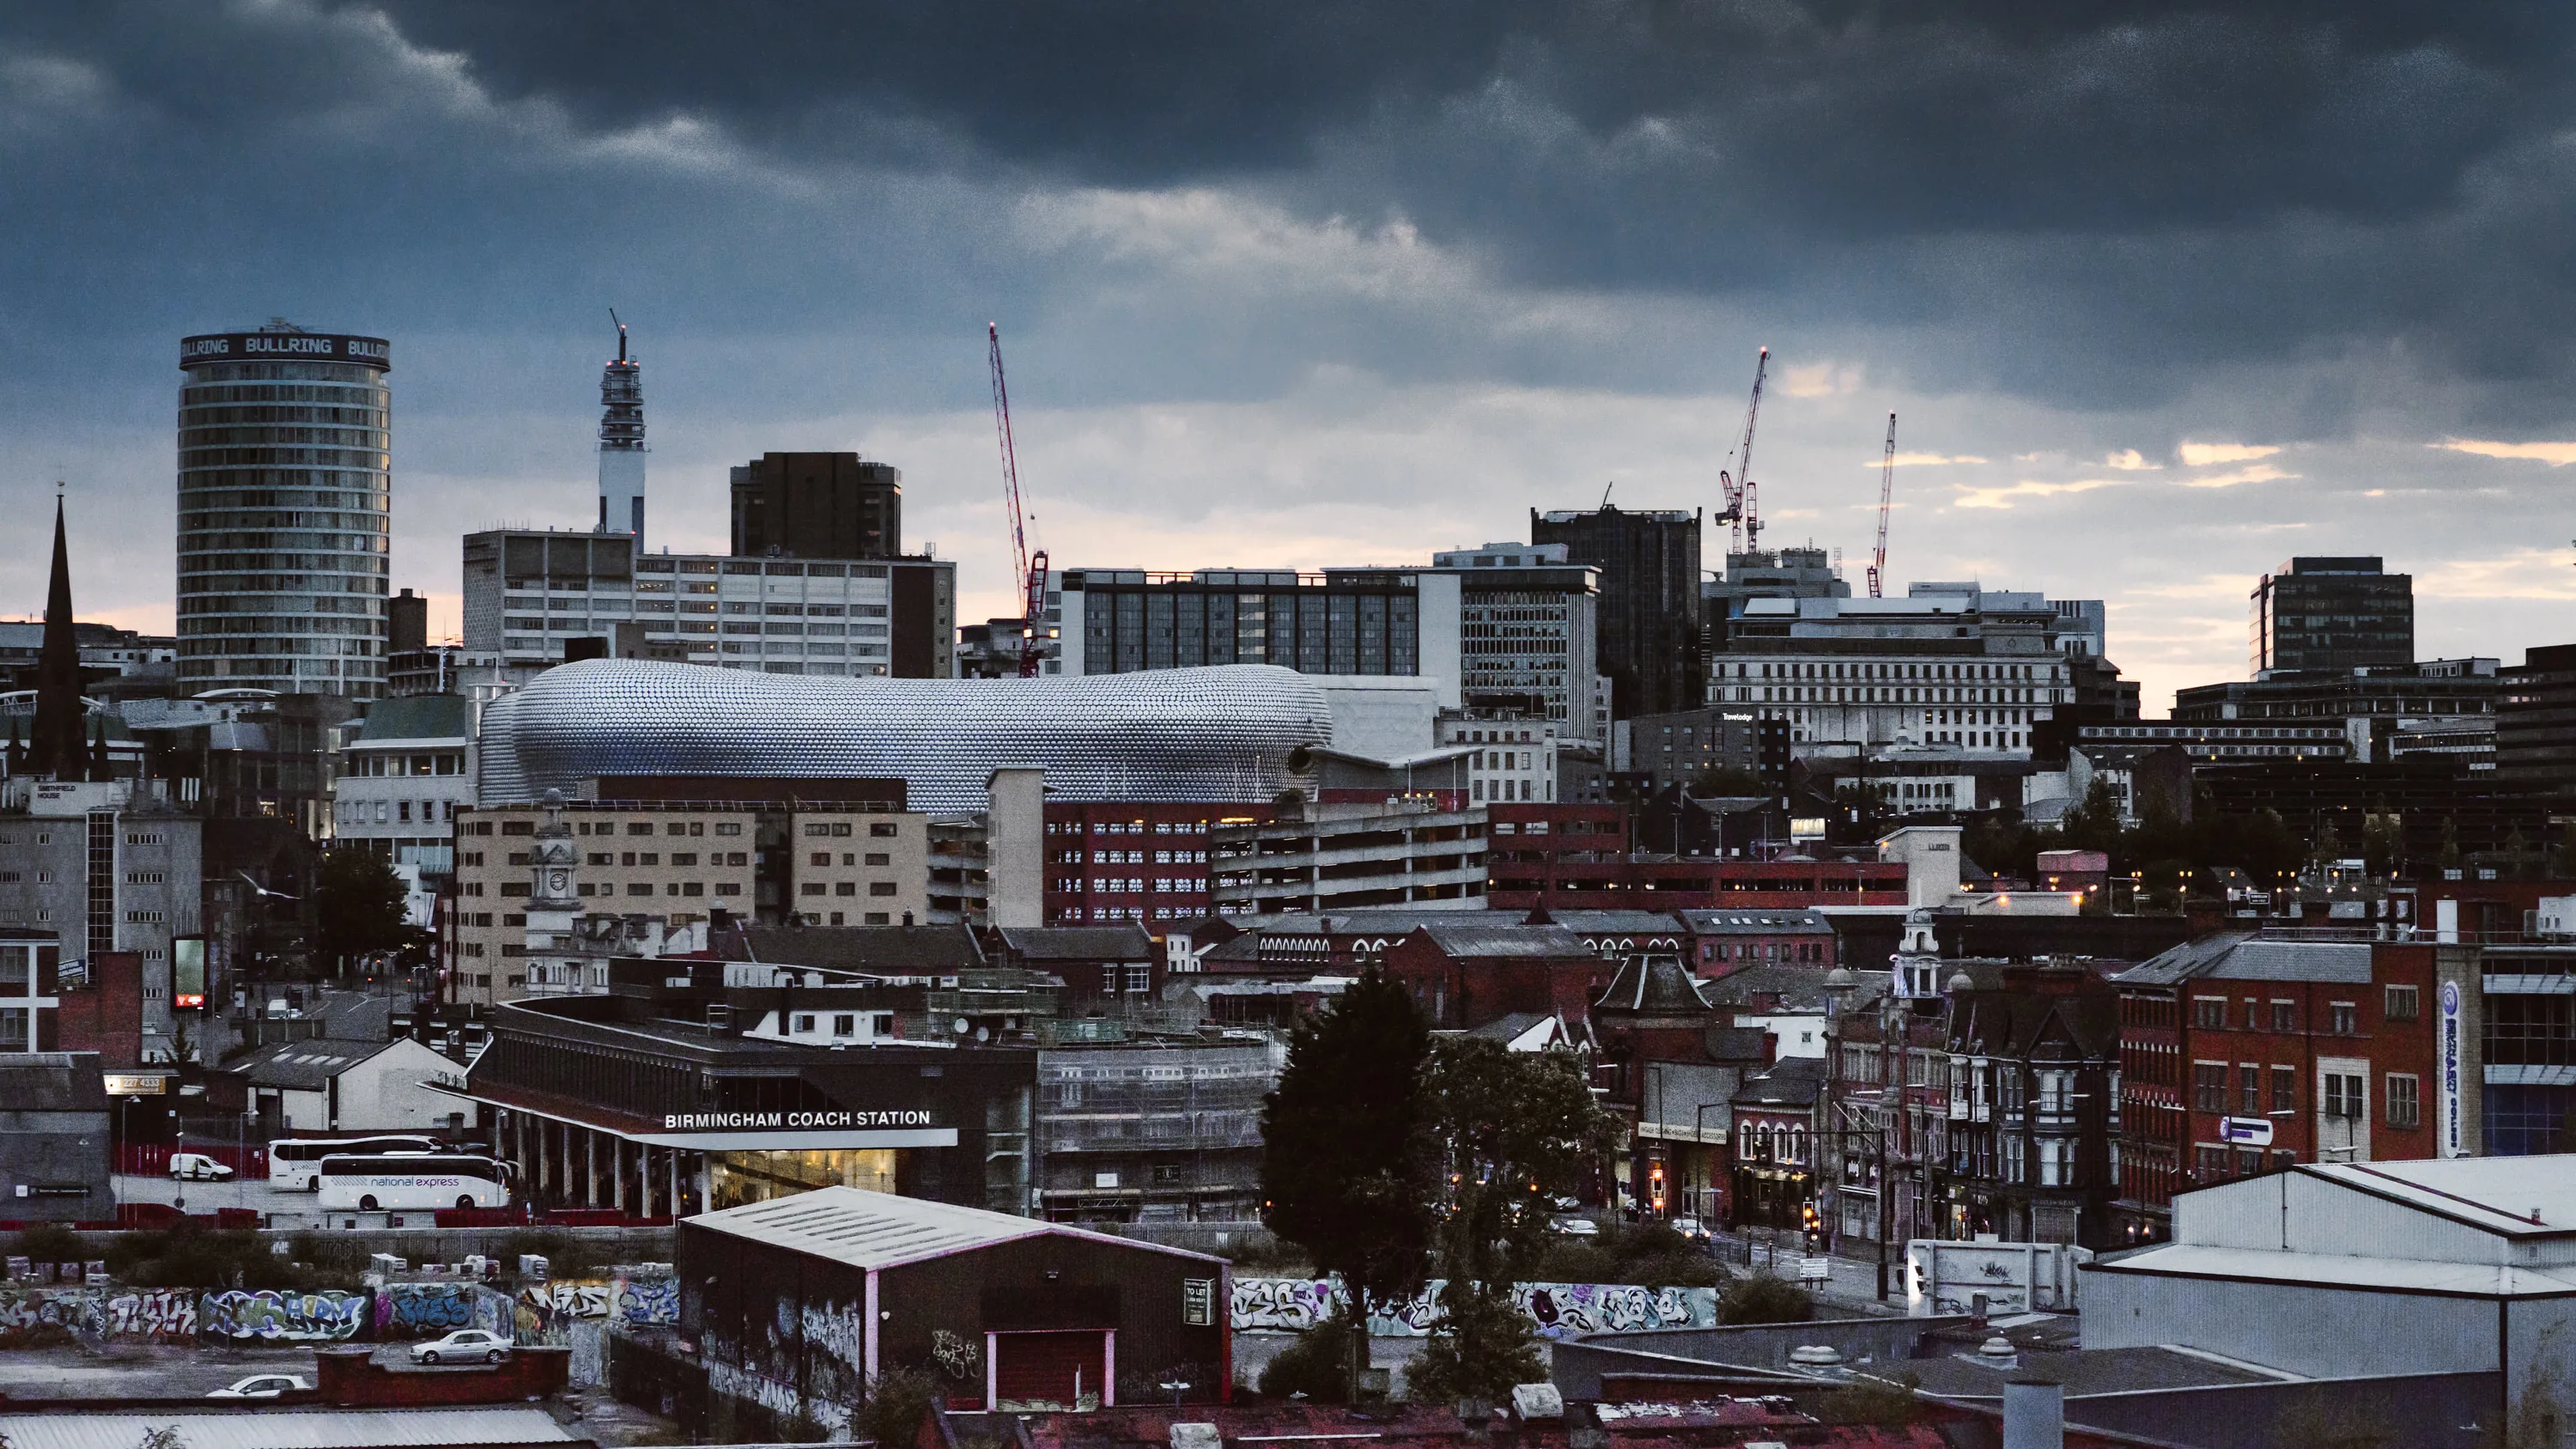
899, 1399
1765, 1298
1515, 1130
1346, 1170
2383, 839
2329, 846
2447, 855
1318, 1364
2094, 824
358, 904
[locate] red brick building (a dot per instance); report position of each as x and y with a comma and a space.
1132, 860
1481, 966
1581, 857
2243, 1053
104, 1014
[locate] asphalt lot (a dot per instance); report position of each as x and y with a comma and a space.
205, 1197
142, 1371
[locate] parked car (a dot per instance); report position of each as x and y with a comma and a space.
198, 1167
263, 1386
462, 1345
1574, 1227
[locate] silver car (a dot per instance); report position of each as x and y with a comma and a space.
462, 1346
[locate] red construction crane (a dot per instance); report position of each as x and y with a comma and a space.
1032, 568
1743, 502
1886, 490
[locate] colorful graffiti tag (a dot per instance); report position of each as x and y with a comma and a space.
74, 1309
158, 1313
645, 1301
1297, 1304
284, 1317
423, 1310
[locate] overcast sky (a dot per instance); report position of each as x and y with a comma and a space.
2161, 295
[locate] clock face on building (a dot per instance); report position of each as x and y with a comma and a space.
555, 882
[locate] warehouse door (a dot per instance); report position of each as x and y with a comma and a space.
1065, 1370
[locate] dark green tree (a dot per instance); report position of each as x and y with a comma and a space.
2447, 855
2094, 824
1515, 1130
358, 905
1347, 1168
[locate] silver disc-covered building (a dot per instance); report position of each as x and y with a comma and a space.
1222, 733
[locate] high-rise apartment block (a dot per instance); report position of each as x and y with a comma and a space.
817, 505
2332, 613
285, 496
1650, 600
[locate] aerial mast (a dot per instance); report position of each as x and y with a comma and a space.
1886, 491
1030, 570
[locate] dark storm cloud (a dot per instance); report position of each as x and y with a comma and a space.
2084, 203
2095, 201
1858, 119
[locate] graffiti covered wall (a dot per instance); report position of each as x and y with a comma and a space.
75, 1310
575, 1313
424, 1310
1297, 1304
162, 1314
280, 1317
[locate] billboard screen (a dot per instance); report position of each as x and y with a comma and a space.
188, 972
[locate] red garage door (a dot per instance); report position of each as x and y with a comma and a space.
1049, 1369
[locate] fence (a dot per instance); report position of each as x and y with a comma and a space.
151, 1159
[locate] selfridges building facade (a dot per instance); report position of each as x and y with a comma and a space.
1235, 732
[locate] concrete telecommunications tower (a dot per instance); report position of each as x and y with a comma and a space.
621, 443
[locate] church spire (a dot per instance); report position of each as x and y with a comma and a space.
58, 744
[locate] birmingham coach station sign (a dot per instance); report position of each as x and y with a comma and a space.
792, 1121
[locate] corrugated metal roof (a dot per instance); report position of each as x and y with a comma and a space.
273, 1428
879, 1230
2514, 1196
2386, 1274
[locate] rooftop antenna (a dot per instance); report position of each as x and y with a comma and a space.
621, 334
1605, 494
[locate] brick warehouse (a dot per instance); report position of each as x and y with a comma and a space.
798, 1302
2247, 1053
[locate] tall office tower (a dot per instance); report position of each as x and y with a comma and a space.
1650, 610
285, 493
817, 505
621, 445
2332, 613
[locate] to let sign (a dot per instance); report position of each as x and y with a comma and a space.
1198, 1302
2252, 1131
